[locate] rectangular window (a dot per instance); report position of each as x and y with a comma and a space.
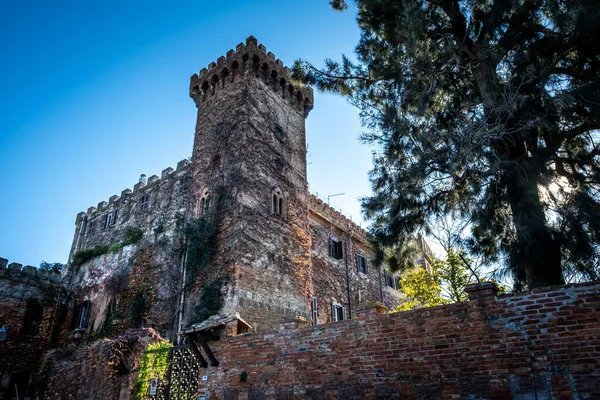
79, 319
109, 219
145, 202
390, 281
91, 227
335, 249
361, 263
338, 312
315, 310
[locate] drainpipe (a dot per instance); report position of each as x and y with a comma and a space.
380, 285
183, 274
348, 278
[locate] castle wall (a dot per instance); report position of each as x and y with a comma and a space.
542, 344
32, 312
332, 283
153, 200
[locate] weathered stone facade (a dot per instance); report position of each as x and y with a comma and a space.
32, 317
247, 173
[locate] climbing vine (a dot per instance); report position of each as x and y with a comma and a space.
155, 364
211, 299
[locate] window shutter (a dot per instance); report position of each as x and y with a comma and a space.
333, 314
344, 313
104, 220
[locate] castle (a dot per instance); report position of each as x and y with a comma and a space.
233, 230
285, 252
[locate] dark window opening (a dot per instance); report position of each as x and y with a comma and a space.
390, 281
145, 202
204, 205
279, 132
32, 318
338, 312
277, 206
361, 263
80, 316
335, 249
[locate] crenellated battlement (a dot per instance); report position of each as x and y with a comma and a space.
143, 184
250, 58
338, 219
19, 271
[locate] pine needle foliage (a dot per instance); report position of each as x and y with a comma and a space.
488, 111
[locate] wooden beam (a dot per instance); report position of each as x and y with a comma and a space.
196, 350
213, 360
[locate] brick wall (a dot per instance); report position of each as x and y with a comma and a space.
543, 344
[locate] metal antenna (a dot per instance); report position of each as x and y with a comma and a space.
333, 195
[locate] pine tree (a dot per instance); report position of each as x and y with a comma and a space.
483, 110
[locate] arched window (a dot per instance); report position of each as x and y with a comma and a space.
277, 202
204, 204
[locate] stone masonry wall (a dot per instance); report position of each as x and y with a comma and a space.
22, 287
543, 344
330, 283
162, 197
249, 147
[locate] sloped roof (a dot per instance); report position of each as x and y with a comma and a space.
215, 321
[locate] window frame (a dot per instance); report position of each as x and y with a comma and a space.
335, 308
359, 257
336, 248
145, 201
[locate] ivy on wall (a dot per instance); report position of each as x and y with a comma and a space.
155, 364
211, 299
201, 235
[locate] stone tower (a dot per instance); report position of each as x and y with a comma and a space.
250, 149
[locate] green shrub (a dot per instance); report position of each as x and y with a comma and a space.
85, 255
115, 247
132, 235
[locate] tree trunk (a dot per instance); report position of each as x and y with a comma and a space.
537, 252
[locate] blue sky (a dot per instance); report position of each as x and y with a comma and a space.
96, 93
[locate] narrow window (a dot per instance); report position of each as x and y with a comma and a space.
390, 281
80, 315
361, 263
202, 204
338, 312
335, 249
110, 219
277, 202
145, 202
32, 318
315, 310
91, 227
